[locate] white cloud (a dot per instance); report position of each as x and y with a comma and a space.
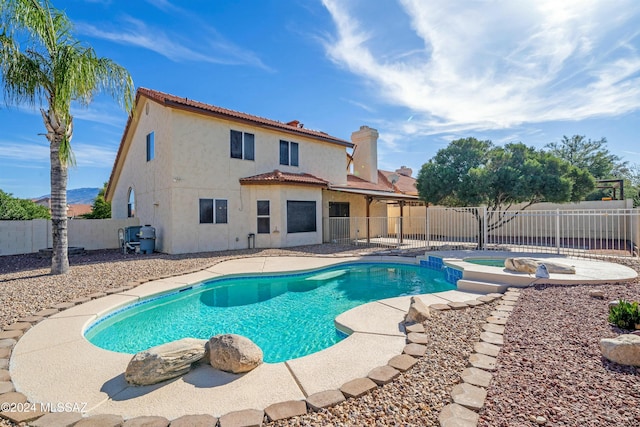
495, 65
211, 47
34, 155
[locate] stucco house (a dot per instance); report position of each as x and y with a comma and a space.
208, 178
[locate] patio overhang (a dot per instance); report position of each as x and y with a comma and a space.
377, 194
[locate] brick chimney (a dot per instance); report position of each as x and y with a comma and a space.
404, 171
365, 156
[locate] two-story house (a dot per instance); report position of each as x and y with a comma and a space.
207, 177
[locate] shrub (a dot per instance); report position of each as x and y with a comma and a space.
625, 315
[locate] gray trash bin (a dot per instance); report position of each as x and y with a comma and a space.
147, 237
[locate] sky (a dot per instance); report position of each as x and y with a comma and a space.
422, 73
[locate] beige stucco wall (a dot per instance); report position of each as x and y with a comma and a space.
192, 161
152, 180
23, 237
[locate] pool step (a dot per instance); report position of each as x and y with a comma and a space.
481, 287
514, 279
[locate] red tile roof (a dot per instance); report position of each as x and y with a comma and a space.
361, 184
404, 184
292, 126
190, 105
277, 177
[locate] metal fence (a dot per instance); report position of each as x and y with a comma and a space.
590, 233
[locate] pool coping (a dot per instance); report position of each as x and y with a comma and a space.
77, 371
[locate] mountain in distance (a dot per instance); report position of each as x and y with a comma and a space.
79, 196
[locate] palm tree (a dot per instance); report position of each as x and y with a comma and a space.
52, 69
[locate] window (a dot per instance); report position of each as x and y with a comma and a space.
264, 221
208, 214
242, 145
131, 204
288, 153
301, 216
150, 146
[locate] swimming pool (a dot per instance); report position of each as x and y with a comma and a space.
288, 315
491, 262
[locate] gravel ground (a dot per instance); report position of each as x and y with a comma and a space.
550, 366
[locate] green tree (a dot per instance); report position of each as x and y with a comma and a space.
43, 63
101, 208
588, 154
470, 172
12, 208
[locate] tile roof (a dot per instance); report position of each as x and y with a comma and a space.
277, 177
292, 126
191, 105
405, 184
361, 184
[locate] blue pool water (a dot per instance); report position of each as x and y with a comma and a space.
288, 316
491, 262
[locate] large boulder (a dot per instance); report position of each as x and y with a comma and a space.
530, 265
165, 361
234, 353
418, 311
624, 350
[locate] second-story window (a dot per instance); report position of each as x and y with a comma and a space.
288, 153
150, 146
242, 145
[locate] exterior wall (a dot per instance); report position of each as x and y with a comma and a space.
192, 161
191, 236
23, 237
357, 212
151, 180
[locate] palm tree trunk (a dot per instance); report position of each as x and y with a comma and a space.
57, 132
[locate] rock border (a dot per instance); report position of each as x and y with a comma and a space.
355, 388
469, 396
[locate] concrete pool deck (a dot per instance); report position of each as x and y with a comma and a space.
54, 363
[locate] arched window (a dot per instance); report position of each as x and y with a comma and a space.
131, 205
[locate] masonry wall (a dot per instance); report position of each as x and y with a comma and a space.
24, 237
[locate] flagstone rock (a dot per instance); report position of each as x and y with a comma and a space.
454, 415
418, 327
383, 374
57, 419
624, 349
418, 311
469, 396
496, 329
234, 353
474, 303
101, 420
403, 362
492, 338
146, 422
476, 376
486, 298
6, 387
5, 375
440, 307
282, 410
596, 293
416, 350
325, 399
486, 348
357, 387
457, 305
245, 418
497, 320
482, 361
193, 421
20, 326
164, 362
417, 338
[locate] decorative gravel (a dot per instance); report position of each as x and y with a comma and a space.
550, 366
551, 371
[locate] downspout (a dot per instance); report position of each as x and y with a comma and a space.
369, 200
